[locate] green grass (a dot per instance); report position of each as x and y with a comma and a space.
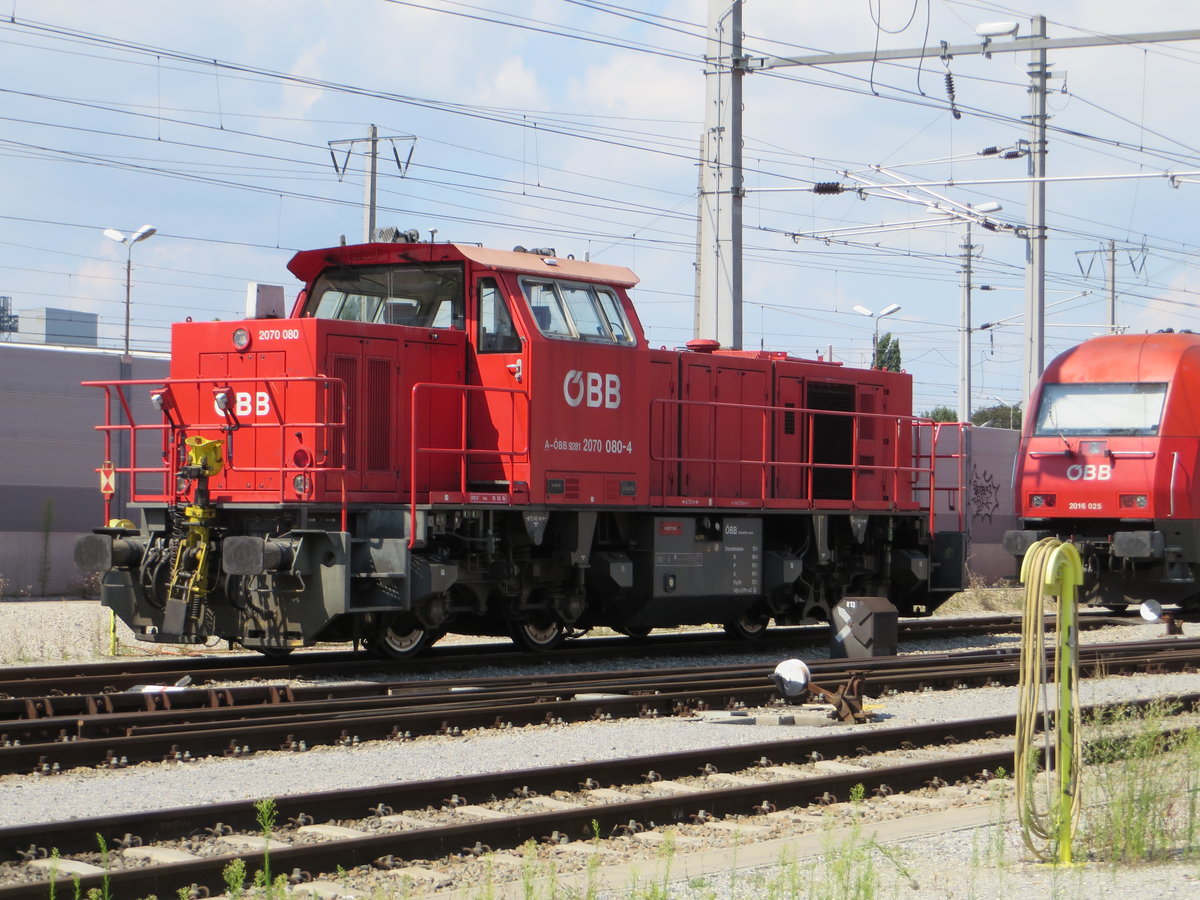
1142, 789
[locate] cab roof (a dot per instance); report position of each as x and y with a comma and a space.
1125, 357
308, 264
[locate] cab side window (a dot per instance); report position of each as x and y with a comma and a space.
496, 332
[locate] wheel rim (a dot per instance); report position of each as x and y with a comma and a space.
539, 636
748, 628
638, 633
403, 642
400, 640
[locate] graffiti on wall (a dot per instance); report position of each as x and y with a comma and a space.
985, 494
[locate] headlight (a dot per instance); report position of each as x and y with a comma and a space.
241, 338
302, 484
1134, 501
1042, 500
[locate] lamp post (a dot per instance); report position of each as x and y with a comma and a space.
129, 240
1011, 407
886, 311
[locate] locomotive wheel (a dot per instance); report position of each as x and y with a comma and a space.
539, 635
637, 632
276, 653
748, 627
402, 639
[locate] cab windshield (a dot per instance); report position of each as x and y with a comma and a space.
577, 312
1100, 409
426, 295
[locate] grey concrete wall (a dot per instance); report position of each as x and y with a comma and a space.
49, 451
993, 451
988, 509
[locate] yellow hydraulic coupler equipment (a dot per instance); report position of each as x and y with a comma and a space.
1050, 568
189, 584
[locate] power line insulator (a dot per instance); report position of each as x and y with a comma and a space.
828, 187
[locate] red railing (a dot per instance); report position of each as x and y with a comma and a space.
464, 454
914, 473
957, 459
172, 431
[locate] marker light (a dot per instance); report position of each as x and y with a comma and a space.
1134, 501
241, 338
1042, 500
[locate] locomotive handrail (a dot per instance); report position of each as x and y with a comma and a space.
963, 429
1040, 454
463, 452
896, 469
170, 428
1174, 470
1132, 454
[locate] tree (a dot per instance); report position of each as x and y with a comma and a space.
941, 414
887, 353
999, 416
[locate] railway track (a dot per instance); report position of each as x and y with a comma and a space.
120, 675
424, 830
190, 724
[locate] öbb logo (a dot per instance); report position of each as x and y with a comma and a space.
592, 389
1080, 472
245, 403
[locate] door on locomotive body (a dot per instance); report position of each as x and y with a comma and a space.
498, 426
380, 366
589, 429
872, 487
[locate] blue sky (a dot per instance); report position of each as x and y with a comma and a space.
574, 124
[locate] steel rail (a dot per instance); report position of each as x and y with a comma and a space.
17, 683
67, 681
655, 693
442, 840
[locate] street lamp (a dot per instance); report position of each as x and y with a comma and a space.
1011, 407
886, 311
129, 240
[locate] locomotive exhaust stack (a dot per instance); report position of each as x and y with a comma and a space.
442, 437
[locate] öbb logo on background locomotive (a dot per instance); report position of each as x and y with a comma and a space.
592, 389
1079, 472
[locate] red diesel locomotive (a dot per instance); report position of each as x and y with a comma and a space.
444, 437
1110, 461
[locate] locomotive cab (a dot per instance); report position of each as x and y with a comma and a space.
1108, 462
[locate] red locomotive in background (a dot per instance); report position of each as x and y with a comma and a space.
1109, 460
443, 437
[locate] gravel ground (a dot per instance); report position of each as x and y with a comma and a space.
980, 862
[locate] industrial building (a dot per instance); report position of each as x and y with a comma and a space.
49, 453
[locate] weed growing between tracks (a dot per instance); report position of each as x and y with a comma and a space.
1141, 784
1142, 789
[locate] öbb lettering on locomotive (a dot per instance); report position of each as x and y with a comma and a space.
443, 437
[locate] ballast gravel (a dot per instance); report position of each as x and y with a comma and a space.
984, 861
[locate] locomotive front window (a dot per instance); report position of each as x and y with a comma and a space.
426, 295
581, 312
1100, 409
